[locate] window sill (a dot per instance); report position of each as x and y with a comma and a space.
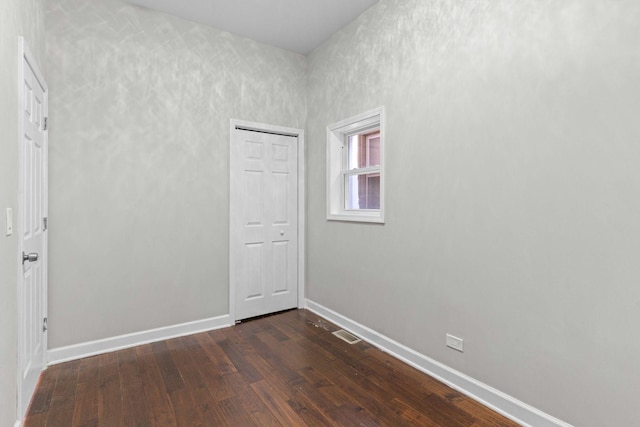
375, 217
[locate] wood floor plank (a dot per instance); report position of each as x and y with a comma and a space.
326, 387
65, 388
354, 415
87, 392
282, 370
86, 408
396, 369
88, 369
217, 357
240, 361
314, 397
276, 401
215, 383
291, 329
158, 403
233, 411
44, 390
134, 404
293, 355
63, 399
36, 420
412, 416
348, 353
60, 414
445, 412
285, 327
185, 410
276, 369
485, 417
274, 329
203, 402
170, 374
378, 407
308, 412
110, 411
250, 401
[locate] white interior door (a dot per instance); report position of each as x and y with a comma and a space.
264, 223
32, 226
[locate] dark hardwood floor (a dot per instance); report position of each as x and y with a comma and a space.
286, 369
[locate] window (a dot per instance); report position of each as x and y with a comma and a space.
355, 172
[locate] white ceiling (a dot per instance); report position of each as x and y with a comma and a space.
296, 25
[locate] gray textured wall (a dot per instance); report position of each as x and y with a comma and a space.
139, 162
511, 189
512, 193
17, 18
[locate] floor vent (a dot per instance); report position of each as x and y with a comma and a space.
346, 336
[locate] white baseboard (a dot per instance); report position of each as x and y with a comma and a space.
91, 348
500, 402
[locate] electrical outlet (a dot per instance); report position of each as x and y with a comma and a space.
9, 221
455, 343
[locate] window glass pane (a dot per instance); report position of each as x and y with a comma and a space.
364, 150
373, 150
354, 152
363, 191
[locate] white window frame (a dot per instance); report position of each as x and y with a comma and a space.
337, 166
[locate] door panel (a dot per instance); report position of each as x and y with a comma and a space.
264, 231
33, 189
254, 197
280, 267
280, 198
254, 272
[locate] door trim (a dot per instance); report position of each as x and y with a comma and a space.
26, 58
299, 134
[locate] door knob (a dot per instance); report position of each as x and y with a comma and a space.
282, 232
32, 257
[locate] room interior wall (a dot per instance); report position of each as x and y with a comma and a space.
17, 18
139, 162
512, 193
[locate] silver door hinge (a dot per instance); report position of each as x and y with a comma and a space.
44, 325
45, 223
45, 125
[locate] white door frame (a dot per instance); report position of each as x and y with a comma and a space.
26, 59
299, 134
